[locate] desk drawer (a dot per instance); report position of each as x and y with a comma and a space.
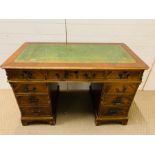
113, 88
92, 75
124, 75
33, 100
75, 75
114, 111
117, 100
55, 75
38, 111
29, 88
20, 74
85, 75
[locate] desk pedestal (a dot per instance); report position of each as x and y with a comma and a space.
37, 102
112, 101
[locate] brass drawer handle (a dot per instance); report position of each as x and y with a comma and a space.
26, 74
113, 112
26, 89
33, 89
117, 101
57, 75
33, 100
123, 89
90, 75
124, 75
36, 111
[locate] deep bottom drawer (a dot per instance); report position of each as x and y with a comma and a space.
37, 111
114, 111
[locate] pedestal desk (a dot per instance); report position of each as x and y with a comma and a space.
112, 69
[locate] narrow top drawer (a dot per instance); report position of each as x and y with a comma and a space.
124, 75
14, 74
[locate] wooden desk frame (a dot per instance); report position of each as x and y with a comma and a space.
113, 86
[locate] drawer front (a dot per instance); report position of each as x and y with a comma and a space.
117, 100
120, 88
55, 75
114, 111
33, 100
124, 75
26, 74
92, 75
75, 75
29, 88
39, 111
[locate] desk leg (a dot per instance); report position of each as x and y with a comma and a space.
36, 120
101, 120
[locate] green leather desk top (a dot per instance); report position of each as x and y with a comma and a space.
48, 53
97, 56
